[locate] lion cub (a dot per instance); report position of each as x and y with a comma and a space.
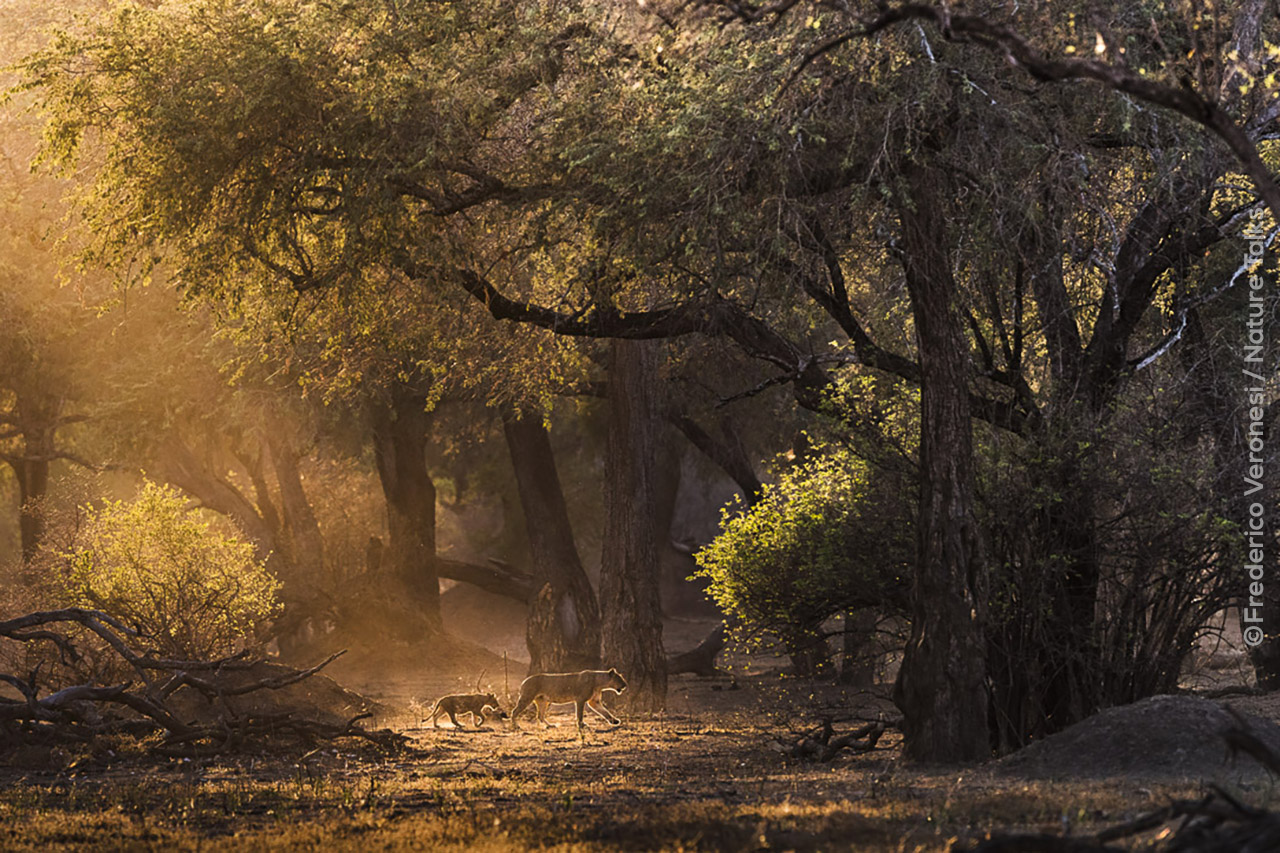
583, 689
474, 704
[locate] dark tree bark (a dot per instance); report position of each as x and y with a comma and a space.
564, 619
31, 468
400, 449
629, 596
941, 686
861, 649
35, 419
306, 546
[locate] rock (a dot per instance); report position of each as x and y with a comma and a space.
1159, 737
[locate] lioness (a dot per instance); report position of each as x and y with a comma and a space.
558, 688
465, 703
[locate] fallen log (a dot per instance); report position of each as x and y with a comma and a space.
822, 744
498, 578
701, 659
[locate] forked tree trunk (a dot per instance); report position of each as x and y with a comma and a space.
941, 686
306, 546
300, 532
179, 465
629, 599
564, 620
400, 449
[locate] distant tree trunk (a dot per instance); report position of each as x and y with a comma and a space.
629, 599
306, 546
180, 466
941, 686
861, 649
32, 472
564, 619
810, 654
305, 558
400, 450
701, 659
36, 418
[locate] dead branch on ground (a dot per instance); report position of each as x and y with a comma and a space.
823, 744
83, 712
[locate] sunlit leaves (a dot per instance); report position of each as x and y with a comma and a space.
294, 163
190, 590
824, 538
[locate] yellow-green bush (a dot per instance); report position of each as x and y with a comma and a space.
154, 563
826, 538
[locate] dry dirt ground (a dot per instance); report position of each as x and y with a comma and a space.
710, 773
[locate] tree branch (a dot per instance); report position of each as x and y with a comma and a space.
1183, 99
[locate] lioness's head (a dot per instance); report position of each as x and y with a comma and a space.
491, 701
616, 682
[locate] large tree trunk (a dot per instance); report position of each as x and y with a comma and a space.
400, 450
564, 619
941, 686
629, 597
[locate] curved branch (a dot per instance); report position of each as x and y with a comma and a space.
1183, 99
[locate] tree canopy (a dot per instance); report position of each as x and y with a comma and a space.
368, 191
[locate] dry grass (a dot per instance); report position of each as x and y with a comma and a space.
695, 781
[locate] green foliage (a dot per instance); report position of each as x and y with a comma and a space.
824, 539
153, 563
294, 163
1133, 506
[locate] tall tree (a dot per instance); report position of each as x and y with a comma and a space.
45, 326
564, 618
942, 684
629, 601
779, 219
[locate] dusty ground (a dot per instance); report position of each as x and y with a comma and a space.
710, 773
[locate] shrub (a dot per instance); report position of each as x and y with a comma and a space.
825, 539
153, 563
